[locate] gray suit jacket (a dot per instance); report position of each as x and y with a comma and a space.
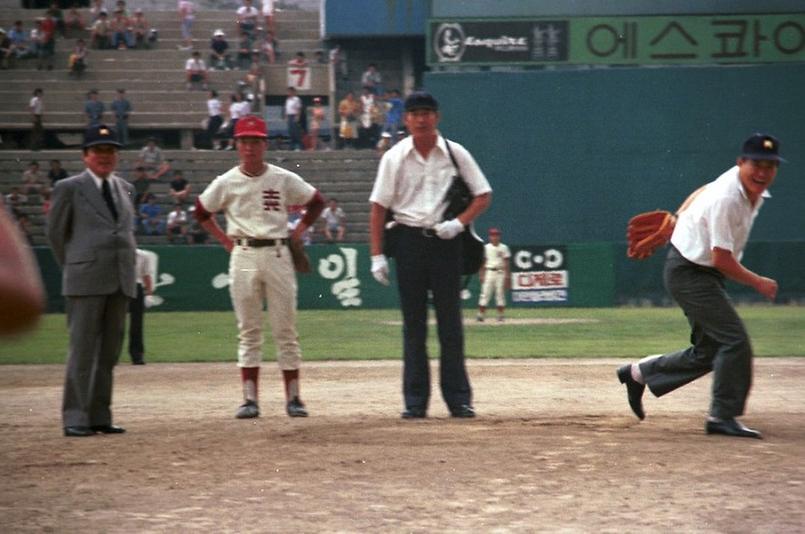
96, 253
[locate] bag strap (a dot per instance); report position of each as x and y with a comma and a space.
453, 159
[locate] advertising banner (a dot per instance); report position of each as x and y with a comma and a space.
624, 40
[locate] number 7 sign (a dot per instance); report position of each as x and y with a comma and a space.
299, 78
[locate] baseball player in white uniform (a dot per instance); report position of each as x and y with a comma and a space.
254, 197
494, 275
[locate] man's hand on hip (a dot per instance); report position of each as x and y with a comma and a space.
449, 229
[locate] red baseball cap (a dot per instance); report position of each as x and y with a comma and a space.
251, 126
494, 231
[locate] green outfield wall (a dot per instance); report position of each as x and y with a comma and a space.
582, 275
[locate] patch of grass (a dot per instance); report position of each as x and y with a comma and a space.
373, 334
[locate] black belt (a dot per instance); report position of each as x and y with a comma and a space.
249, 242
427, 232
494, 269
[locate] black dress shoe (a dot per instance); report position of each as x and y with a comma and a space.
108, 429
634, 390
731, 427
465, 411
78, 431
138, 362
414, 413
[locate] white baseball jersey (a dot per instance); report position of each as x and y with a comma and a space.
496, 257
256, 207
720, 216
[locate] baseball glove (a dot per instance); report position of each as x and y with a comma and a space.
301, 263
646, 232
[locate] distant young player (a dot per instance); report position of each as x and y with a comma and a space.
494, 275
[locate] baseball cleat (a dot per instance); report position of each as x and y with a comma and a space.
248, 410
295, 408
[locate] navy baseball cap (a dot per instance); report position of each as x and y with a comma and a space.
762, 147
421, 100
100, 135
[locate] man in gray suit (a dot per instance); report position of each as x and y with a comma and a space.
90, 230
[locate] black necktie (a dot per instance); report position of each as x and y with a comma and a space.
107, 196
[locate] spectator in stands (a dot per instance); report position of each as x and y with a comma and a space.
338, 59
299, 60
77, 62
94, 109
144, 37
56, 14
334, 221
121, 30
372, 79
236, 111
100, 37
120, 5
319, 57
248, 16
98, 7
187, 13
348, 111
5, 49
196, 71
383, 144
394, 111
268, 15
121, 107
215, 118
45, 32
368, 127
179, 188
46, 201
21, 46
141, 183
220, 58
292, 111
16, 199
56, 172
151, 216
74, 22
317, 116
37, 109
269, 48
32, 180
24, 224
245, 51
151, 158
178, 223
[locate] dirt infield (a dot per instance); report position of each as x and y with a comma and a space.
555, 448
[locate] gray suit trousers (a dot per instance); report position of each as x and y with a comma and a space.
719, 340
96, 324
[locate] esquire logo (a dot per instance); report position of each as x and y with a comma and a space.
474, 41
448, 42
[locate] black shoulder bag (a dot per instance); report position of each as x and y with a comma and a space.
458, 198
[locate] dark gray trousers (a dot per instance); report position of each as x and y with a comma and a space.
96, 325
720, 341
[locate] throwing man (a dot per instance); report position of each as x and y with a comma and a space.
706, 248
494, 275
254, 197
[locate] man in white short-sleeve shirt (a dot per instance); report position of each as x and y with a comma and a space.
254, 197
707, 246
412, 181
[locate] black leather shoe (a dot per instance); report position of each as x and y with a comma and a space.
413, 413
138, 362
731, 427
78, 431
634, 390
465, 411
108, 429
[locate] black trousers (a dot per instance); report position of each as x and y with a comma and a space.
429, 264
719, 340
136, 310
